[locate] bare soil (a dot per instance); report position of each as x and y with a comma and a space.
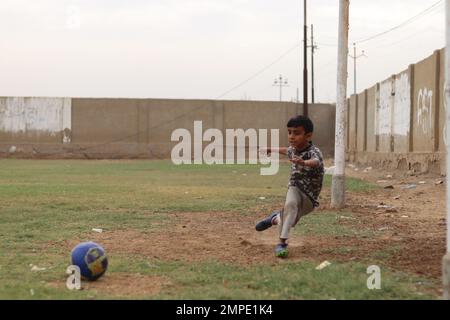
408, 225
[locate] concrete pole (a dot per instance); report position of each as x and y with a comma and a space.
312, 64
305, 62
354, 69
446, 259
338, 181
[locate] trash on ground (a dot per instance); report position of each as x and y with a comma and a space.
323, 265
36, 268
329, 170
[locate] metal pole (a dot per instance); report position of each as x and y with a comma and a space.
354, 68
279, 82
305, 66
338, 181
446, 259
312, 64
281, 87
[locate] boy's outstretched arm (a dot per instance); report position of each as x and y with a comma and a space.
307, 163
282, 150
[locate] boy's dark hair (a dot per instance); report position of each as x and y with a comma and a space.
301, 121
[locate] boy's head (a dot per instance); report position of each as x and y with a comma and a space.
300, 130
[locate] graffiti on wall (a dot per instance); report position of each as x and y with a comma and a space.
424, 110
402, 105
51, 115
384, 108
444, 99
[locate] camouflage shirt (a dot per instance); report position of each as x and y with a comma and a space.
308, 180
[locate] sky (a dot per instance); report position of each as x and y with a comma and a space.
203, 49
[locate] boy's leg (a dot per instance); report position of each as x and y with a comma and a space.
296, 206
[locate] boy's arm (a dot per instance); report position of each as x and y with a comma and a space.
282, 150
307, 163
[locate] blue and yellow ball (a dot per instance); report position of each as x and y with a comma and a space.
90, 257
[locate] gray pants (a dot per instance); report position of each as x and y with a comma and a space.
297, 205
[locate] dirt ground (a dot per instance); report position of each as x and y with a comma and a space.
408, 218
410, 211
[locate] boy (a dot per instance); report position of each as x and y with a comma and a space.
305, 182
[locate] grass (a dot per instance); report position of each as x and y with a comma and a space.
329, 223
45, 201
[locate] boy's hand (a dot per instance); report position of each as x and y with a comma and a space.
265, 151
297, 160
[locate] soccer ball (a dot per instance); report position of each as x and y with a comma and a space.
91, 259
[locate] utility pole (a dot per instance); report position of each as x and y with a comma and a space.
312, 63
338, 181
446, 259
305, 62
279, 82
354, 56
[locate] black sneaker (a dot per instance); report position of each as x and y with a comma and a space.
267, 222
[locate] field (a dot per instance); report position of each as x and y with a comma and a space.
187, 232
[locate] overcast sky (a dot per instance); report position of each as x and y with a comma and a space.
201, 49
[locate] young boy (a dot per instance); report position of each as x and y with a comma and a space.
305, 182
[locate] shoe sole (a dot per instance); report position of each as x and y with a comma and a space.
282, 254
262, 228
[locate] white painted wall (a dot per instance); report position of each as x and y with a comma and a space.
384, 108
402, 104
49, 115
424, 110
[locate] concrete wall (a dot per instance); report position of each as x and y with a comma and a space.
370, 124
324, 119
424, 105
352, 112
402, 112
131, 128
442, 104
384, 111
361, 128
46, 120
404, 122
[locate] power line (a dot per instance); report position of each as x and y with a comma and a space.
385, 44
424, 12
260, 71
326, 44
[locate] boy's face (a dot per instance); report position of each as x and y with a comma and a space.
298, 138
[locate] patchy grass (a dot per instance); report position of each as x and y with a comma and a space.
329, 223
46, 201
